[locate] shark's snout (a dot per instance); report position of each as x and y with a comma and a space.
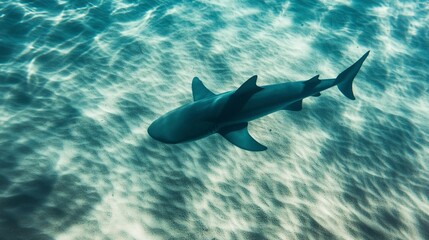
155, 131
152, 132
161, 131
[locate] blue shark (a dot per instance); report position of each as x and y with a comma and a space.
229, 113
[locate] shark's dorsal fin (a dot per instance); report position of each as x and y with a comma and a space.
239, 136
248, 87
240, 97
199, 91
296, 106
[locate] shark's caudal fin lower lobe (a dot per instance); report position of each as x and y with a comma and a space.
345, 79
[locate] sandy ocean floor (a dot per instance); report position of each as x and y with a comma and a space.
81, 81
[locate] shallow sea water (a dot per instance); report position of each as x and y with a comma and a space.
80, 82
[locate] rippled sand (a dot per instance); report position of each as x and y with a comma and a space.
80, 83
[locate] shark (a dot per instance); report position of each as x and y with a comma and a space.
229, 113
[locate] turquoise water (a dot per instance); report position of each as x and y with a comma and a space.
80, 83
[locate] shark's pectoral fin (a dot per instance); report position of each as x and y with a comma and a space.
199, 91
239, 136
296, 106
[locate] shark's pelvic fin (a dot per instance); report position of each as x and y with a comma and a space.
199, 91
296, 106
345, 79
239, 136
240, 97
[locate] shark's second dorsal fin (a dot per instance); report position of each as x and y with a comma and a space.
240, 97
199, 91
314, 79
312, 82
239, 136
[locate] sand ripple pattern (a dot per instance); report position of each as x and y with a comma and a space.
80, 82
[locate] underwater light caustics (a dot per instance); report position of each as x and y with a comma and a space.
229, 113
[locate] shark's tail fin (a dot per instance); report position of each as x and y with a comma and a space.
345, 79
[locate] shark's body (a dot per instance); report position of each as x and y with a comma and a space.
229, 113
